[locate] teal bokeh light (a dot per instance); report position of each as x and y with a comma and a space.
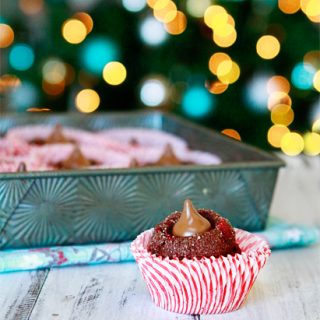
21, 57
23, 97
302, 76
197, 102
96, 52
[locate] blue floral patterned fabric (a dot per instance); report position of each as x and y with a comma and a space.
278, 234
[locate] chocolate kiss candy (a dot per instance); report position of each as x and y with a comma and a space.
168, 157
133, 163
57, 135
76, 160
22, 167
191, 222
134, 142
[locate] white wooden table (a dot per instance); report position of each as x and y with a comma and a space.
287, 288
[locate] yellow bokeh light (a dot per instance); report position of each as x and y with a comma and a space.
311, 143
313, 58
177, 25
86, 19
225, 42
216, 59
312, 8
224, 30
167, 13
289, 6
216, 87
231, 21
160, 4
282, 114
316, 80
292, 143
197, 8
54, 71
31, 7
268, 47
232, 134
6, 35
74, 31
275, 134
228, 72
87, 100
316, 126
215, 15
278, 97
278, 84
114, 73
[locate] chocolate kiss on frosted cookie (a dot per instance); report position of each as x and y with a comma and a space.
57, 135
22, 167
190, 222
168, 158
75, 160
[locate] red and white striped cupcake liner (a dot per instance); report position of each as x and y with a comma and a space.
202, 286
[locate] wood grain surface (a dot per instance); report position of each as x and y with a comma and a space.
287, 288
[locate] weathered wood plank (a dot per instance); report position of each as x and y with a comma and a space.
19, 293
114, 291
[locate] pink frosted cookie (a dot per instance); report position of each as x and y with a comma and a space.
22, 163
13, 147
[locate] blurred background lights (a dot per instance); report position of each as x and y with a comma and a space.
316, 126
8, 81
114, 73
316, 80
165, 13
292, 143
232, 133
268, 47
96, 52
310, 7
256, 95
24, 96
86, 19
53, 89
289, 6
87, 100
215, 15
278, 83
197, 102
282, 114
302, 76
313, 58
275, 134
311, 143
216, 59
216, 87
54, 71
21, 57
6, 35
152, 31
178, 25
197, 8
134, 5
225, 41
153, 92
278, 97
228, 72
31, 7
74, 31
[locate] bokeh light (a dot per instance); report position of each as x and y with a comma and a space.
96, 52
278, 97
289, 6
53, 89
152, 32
316, 126
74, 31
165, 13
114, 73
86, 19
24, 96
302, 76
216, 59
228, 71
278, 83
177, 25
268, 47
197, 102
6, 35
216, 87
21, 56
153, 92
197, 8
134, 5
311, 143
292, 143
87, 100
232, 134
31, 7
275, 134
8, 81
215, 15
282, 114
227, 40
316, 80
311, 8
313, 58
54, 71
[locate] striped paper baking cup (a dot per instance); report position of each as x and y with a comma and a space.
201, 286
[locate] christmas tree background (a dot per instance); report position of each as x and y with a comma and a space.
95, 56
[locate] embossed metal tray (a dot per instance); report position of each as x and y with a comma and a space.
87, 206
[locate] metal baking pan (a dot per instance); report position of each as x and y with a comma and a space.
89, 206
